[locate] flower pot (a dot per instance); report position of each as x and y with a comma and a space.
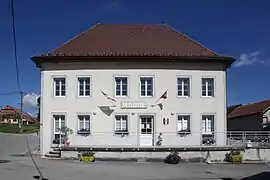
87, 159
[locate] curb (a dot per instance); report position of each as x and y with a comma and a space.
162, 160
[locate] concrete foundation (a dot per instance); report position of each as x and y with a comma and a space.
249, 155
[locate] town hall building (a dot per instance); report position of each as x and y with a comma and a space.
127, 84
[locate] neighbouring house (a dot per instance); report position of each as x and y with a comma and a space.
124, 84
11, 115
250, 117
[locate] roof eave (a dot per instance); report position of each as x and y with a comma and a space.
227, 61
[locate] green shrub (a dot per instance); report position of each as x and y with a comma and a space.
234, 157
87, 156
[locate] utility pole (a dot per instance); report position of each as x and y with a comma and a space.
21, 114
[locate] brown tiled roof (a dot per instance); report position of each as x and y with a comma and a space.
249, 109
107, 40
26, 116
231, 108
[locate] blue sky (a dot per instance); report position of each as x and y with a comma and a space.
235, 28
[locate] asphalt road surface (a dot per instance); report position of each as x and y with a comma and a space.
21, 167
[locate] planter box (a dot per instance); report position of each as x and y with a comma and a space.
87, 159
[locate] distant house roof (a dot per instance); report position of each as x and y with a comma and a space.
249, 109
26, 115
132, 40
231, 108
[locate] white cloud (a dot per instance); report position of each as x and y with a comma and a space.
112, 5
30, 100
249, 59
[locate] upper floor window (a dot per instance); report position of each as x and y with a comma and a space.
183, 123
208, 87
121, 124
207, 124
84, 86
146, 86
121, 86
59, 87
183, 87
84, 123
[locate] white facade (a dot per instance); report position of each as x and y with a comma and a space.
196, 102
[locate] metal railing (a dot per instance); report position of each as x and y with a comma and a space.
184, 139
251, 138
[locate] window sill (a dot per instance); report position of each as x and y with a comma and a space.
183, 132
121, 133
146, 96
83, 96
183, 96
207, 96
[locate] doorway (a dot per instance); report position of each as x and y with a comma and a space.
147, 130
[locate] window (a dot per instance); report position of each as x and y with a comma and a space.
59, 87
183, 87
207, 124
59, 122
208, 87
146, 84
121, 86
183, 123
83, 124
121, 124
84, 86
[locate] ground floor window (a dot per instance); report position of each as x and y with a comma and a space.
183, 123
59, 121
208, 136
121, 124
83, 124
207, 124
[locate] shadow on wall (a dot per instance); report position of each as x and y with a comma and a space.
261, 176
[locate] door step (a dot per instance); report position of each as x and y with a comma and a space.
55, 153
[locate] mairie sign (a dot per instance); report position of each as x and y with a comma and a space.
133, 105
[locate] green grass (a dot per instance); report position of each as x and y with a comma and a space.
14, 128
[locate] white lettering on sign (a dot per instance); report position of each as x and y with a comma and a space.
133, 105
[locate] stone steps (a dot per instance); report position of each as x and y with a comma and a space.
55, 153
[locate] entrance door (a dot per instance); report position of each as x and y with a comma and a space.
146, 130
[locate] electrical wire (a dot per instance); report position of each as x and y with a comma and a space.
18, 83
9, 93
15, 45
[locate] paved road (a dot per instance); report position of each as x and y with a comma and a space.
16, 144
22, 168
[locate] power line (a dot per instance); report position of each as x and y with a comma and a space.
9, 93
15, 45
19, 87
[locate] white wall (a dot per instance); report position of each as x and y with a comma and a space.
102, 78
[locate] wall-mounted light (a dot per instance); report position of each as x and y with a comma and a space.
132, 113
94, 113
172, 113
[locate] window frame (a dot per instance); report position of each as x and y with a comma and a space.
84, 90
60, 86
60, 122
121, 92
207, 90
188, 131
205, 132
121, 132
140, 86
189, 87
83, 130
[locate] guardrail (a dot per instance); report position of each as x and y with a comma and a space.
249, 138
183, 139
